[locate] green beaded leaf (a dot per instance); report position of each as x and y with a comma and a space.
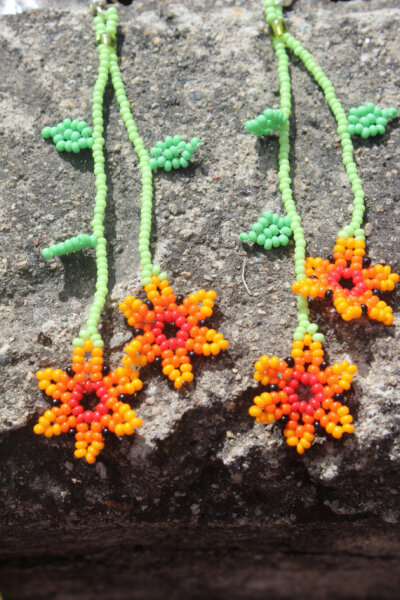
69, 136
270, 231
172, 153
268, 123
79, 242
369, 120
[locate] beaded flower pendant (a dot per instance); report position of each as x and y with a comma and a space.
303, 390
164, 310
305, 393
350, 281
89, 400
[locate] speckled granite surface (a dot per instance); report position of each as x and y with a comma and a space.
201, 485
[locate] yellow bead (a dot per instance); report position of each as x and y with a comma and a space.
255, 411
337, 432
119, 429
348, 428
80, 453
292, 441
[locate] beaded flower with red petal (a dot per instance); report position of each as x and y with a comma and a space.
88, 400
304, 390
171, 329
350, 281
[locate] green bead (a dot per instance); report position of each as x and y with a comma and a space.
283, 240
252, 236
318, 337
268, 244
257, 227
60, 146
261, 238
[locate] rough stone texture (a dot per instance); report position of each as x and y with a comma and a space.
203, 502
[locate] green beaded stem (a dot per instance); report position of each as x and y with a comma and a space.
105, 24
148, 268
355, 226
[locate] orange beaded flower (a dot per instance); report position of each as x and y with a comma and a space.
170, 329
349, 279
88, 400
304, 391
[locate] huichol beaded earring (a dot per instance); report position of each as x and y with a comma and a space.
304, 391
88, 375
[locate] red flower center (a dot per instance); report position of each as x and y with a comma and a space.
348, 280
171, 330
87, 393
304, 392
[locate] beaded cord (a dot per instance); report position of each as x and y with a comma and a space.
303, 390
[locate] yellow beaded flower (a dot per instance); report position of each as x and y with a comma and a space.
304, 391
170, 330
348, 279
89, 400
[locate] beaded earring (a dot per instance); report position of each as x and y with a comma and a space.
304, 391
88, 380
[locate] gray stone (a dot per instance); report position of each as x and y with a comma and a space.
202, 502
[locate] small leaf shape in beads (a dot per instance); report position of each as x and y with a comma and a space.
172, 153
270, 231
73, 244
268, 123
369, 120
69, 136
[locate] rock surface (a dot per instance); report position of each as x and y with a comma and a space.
203, 502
